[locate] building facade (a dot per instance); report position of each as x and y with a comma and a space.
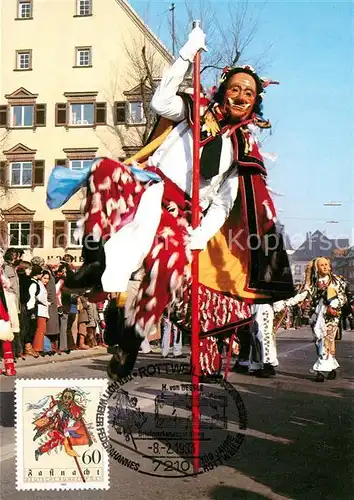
343, 264
316, 244
68, 94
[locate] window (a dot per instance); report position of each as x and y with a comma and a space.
21, 173
72, 225
23, 60
81, 114
77, 159
19, 234
83, 56
22, 116
80, 164
84, 7
136, 113
24, 9
59, 236
77, 112
22, 110
119, 112
21, 168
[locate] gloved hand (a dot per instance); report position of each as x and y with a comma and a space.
196, 41
197, 240
32, 313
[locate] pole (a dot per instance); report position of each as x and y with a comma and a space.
195, 265
281, 320
61, 428
172, 9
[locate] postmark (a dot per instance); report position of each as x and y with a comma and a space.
150, 421
57, 445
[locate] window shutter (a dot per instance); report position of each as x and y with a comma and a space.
38, 173
101, 113
59, 233
37, 236
61, 163
119, 112
41, 113
3, 116
3, 173
60, 114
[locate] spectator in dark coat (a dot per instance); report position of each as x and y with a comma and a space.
24, 270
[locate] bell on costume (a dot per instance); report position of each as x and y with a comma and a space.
89, 274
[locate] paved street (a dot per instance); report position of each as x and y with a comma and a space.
299, 441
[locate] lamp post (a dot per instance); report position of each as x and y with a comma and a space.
172, 10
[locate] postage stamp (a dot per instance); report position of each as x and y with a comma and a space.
57, 444
150, 421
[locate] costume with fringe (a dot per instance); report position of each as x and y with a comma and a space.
143, 218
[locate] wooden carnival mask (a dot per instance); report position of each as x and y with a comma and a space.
240, 97
323, 267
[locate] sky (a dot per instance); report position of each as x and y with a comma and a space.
312, 110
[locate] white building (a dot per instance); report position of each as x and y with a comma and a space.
68, 93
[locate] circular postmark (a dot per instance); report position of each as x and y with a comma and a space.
150, 421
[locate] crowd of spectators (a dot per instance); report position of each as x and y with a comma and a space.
46, 318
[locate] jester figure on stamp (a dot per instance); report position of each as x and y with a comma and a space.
61, 422
57, 441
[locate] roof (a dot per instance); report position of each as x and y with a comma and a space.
318, 245
287, 242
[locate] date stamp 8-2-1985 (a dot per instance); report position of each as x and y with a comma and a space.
57, 443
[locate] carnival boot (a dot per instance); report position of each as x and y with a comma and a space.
124, 355
332, 375
319, 377
89, 274
8, 358
124, 343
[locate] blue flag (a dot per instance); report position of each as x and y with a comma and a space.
64, 182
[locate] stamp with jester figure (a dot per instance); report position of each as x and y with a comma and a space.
57, 442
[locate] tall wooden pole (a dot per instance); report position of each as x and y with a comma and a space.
195, 266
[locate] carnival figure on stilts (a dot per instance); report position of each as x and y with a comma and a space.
139, 216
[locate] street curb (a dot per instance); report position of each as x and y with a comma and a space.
60, 358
